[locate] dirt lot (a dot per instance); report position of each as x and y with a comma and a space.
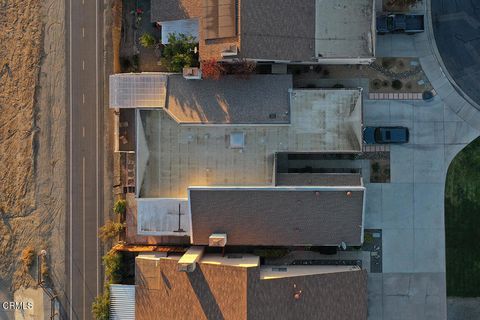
32, 138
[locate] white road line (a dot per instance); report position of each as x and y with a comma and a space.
83, 131
71, 165
83, 32
83, 98
83, 64
83, 230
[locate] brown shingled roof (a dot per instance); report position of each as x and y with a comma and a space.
227, 292
282, 217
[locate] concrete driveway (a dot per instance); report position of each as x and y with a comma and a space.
410, 209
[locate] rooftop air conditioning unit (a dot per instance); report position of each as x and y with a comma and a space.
217, 240
230, 51
192, 73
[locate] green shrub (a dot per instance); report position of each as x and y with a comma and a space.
110, 230
101, 305
147, 40
120, 206
397, 84
112, 262
179, 52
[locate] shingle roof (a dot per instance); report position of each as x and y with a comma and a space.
226, 292
230, 100
282, 217
277, 29
168, 10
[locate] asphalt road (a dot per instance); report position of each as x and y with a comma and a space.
84, 43
456, 25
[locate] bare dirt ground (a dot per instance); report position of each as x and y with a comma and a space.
32, 138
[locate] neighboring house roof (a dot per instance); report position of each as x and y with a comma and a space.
170, 10
260, 99
216, 291
281, 216
277, 29
287, 30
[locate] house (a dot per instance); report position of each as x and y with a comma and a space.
274, 31
213, 172
239, 287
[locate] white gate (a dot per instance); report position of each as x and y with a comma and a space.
122, 302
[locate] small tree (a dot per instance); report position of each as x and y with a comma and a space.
27, 257
212, 70
179, 52
120, 206
110, 230
147, 40
101, 305
112, 262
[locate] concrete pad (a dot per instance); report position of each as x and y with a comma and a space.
373, 206
384, 46
428, 201
401, 163
396, 284
398, 254
401, 112
455, 102
399, 308
449, 113
428, 164
428, 133
409, 296
375, 296
403, 45
428, 111
397, 205
376, 110
459, 132
429, 247
444, 89
431, 68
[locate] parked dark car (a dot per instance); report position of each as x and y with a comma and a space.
372, 135
408, 23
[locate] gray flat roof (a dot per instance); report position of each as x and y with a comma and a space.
230, 100
278, 216
172, 157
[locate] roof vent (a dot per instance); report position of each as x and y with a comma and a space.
192, 73
217, 240
230, 51
237, 140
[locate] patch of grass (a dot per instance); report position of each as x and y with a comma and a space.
462, 223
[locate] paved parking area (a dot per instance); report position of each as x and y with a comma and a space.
410, 209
